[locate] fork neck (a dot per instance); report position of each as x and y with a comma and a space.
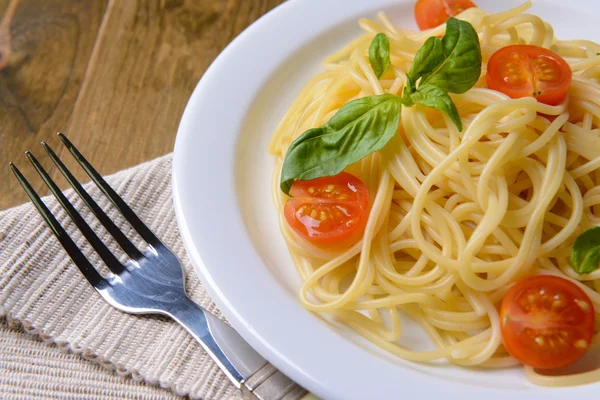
235, 357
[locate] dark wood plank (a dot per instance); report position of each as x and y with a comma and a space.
150, 56
51, 42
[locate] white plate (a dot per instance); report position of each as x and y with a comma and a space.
221, 186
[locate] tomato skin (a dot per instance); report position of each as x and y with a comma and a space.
547, 321
330, 211
431, 13
525, 70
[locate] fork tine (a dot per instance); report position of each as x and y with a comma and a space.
110, 226
86, 268
114, 198
107, 256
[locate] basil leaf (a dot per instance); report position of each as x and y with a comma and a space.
429, 56
460, 67
379, 54
585, 253
591, 261
434, 97
359, 128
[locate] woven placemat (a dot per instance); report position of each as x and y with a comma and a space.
44, 294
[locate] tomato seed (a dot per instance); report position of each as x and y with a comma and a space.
540, 341
583, 305
557, 304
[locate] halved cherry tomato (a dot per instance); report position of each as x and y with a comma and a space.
431, 13
547, 321
330, 211
524, 70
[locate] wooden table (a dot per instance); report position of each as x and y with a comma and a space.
113, 75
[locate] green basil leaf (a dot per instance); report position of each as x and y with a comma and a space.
429, 56
591, 261
460, 67
434, 97
585, 253
379, 54
359, 128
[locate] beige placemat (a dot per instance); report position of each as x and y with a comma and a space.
43, 293
32, 369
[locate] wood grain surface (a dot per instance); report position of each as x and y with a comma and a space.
113, 75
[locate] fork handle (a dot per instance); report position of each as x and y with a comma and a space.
258, 379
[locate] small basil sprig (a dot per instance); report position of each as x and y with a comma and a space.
585, 253
361, 127
379, 54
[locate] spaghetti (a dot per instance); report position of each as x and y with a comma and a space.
456, 217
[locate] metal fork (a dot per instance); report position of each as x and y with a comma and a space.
152, 282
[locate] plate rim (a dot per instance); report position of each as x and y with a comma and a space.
305, 367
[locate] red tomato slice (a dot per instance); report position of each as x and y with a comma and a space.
431, 13
330, 211
547, 321
524, 70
